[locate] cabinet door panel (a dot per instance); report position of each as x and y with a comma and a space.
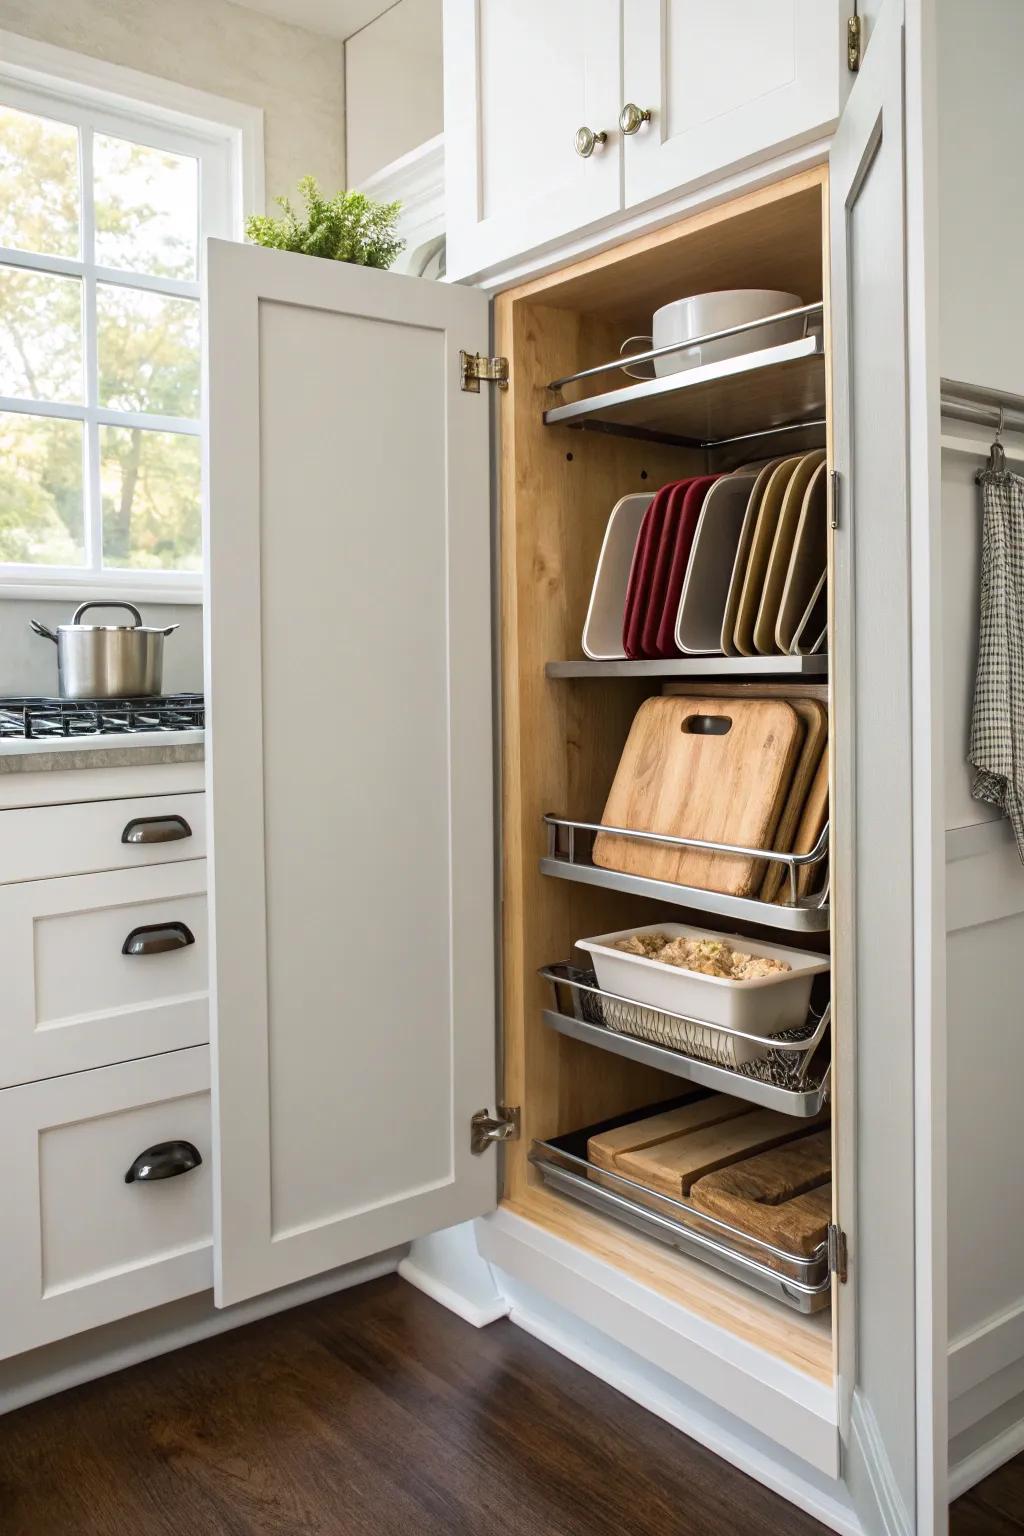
883, 891
349, 762
726, 84
519, 81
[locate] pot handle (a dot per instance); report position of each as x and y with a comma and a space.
647, 344
41, 629
84, 607
170, 629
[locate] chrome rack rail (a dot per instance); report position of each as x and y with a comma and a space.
567, 861
784, 1076
801, 1281
784, 392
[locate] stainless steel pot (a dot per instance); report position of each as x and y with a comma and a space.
108, 661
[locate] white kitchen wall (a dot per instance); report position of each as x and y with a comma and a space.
981, 341
297, 77
393, 86
28, 664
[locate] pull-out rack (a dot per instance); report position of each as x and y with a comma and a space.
790, 1073
783, 391
570, 857
800, 1281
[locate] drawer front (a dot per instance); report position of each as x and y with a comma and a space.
73, 999
81, 1246
52, 840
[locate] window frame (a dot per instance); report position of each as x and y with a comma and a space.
226, 139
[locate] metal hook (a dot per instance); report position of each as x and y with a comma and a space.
996, 455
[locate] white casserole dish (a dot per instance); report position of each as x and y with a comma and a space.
763, 1007
702, 313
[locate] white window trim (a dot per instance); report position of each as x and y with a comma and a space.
228, 135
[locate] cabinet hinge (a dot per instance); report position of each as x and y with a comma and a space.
854, 34
484, 1127
473, 367
834, 485
837, 1252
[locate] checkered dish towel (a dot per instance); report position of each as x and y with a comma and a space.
997, 724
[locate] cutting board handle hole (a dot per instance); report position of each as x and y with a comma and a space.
706, 725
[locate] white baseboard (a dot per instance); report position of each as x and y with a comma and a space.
448, 1296
986, 1459
683, 1409
70, 1362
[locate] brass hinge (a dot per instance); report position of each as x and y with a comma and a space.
853, 42
473, 367
837, 1257
484, 1128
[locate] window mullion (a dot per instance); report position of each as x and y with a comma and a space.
93, 499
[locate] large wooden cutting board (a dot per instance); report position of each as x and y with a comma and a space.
604, 1149
714, 769
783, 1196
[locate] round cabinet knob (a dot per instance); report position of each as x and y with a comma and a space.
632, 118
586, 141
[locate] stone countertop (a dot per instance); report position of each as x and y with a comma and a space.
146, 748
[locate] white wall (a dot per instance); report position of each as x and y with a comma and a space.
297, 77
393, 86
981, 221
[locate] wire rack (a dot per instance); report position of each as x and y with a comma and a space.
790, 1071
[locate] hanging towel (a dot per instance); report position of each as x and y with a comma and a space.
997, 724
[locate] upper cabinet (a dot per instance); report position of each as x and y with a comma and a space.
531, 101
725, 84
683, 92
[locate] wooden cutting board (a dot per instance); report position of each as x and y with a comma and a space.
783, 1196
812, 819
673, 1166
782, 551
604, 1149
714, 769
815, 721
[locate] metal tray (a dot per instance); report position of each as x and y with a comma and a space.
793, 1078
569, 858
795, 1280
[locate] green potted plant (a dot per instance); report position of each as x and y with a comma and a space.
346, 227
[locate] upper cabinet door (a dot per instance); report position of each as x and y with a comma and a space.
726, 84
520, 81
884, 895
349, 762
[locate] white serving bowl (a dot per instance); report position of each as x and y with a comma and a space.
704, 312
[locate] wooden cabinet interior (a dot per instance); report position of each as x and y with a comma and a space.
561, 739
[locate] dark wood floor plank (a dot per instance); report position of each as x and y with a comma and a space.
377, 1413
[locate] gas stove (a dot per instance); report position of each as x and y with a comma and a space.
41, 719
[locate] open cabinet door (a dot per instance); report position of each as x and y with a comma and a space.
349, 762
886, 1449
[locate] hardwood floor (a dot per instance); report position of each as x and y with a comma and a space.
378, 1413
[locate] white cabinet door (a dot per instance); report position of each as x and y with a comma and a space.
349, 762
884, 897
726, 84
520, 80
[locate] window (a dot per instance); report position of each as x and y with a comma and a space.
103, 219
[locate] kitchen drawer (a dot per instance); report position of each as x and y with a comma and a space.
72, 998
82, 1247
51, 840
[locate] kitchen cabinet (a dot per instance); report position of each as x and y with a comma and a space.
683, 92
356, 1097
82, 1246
521, 83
